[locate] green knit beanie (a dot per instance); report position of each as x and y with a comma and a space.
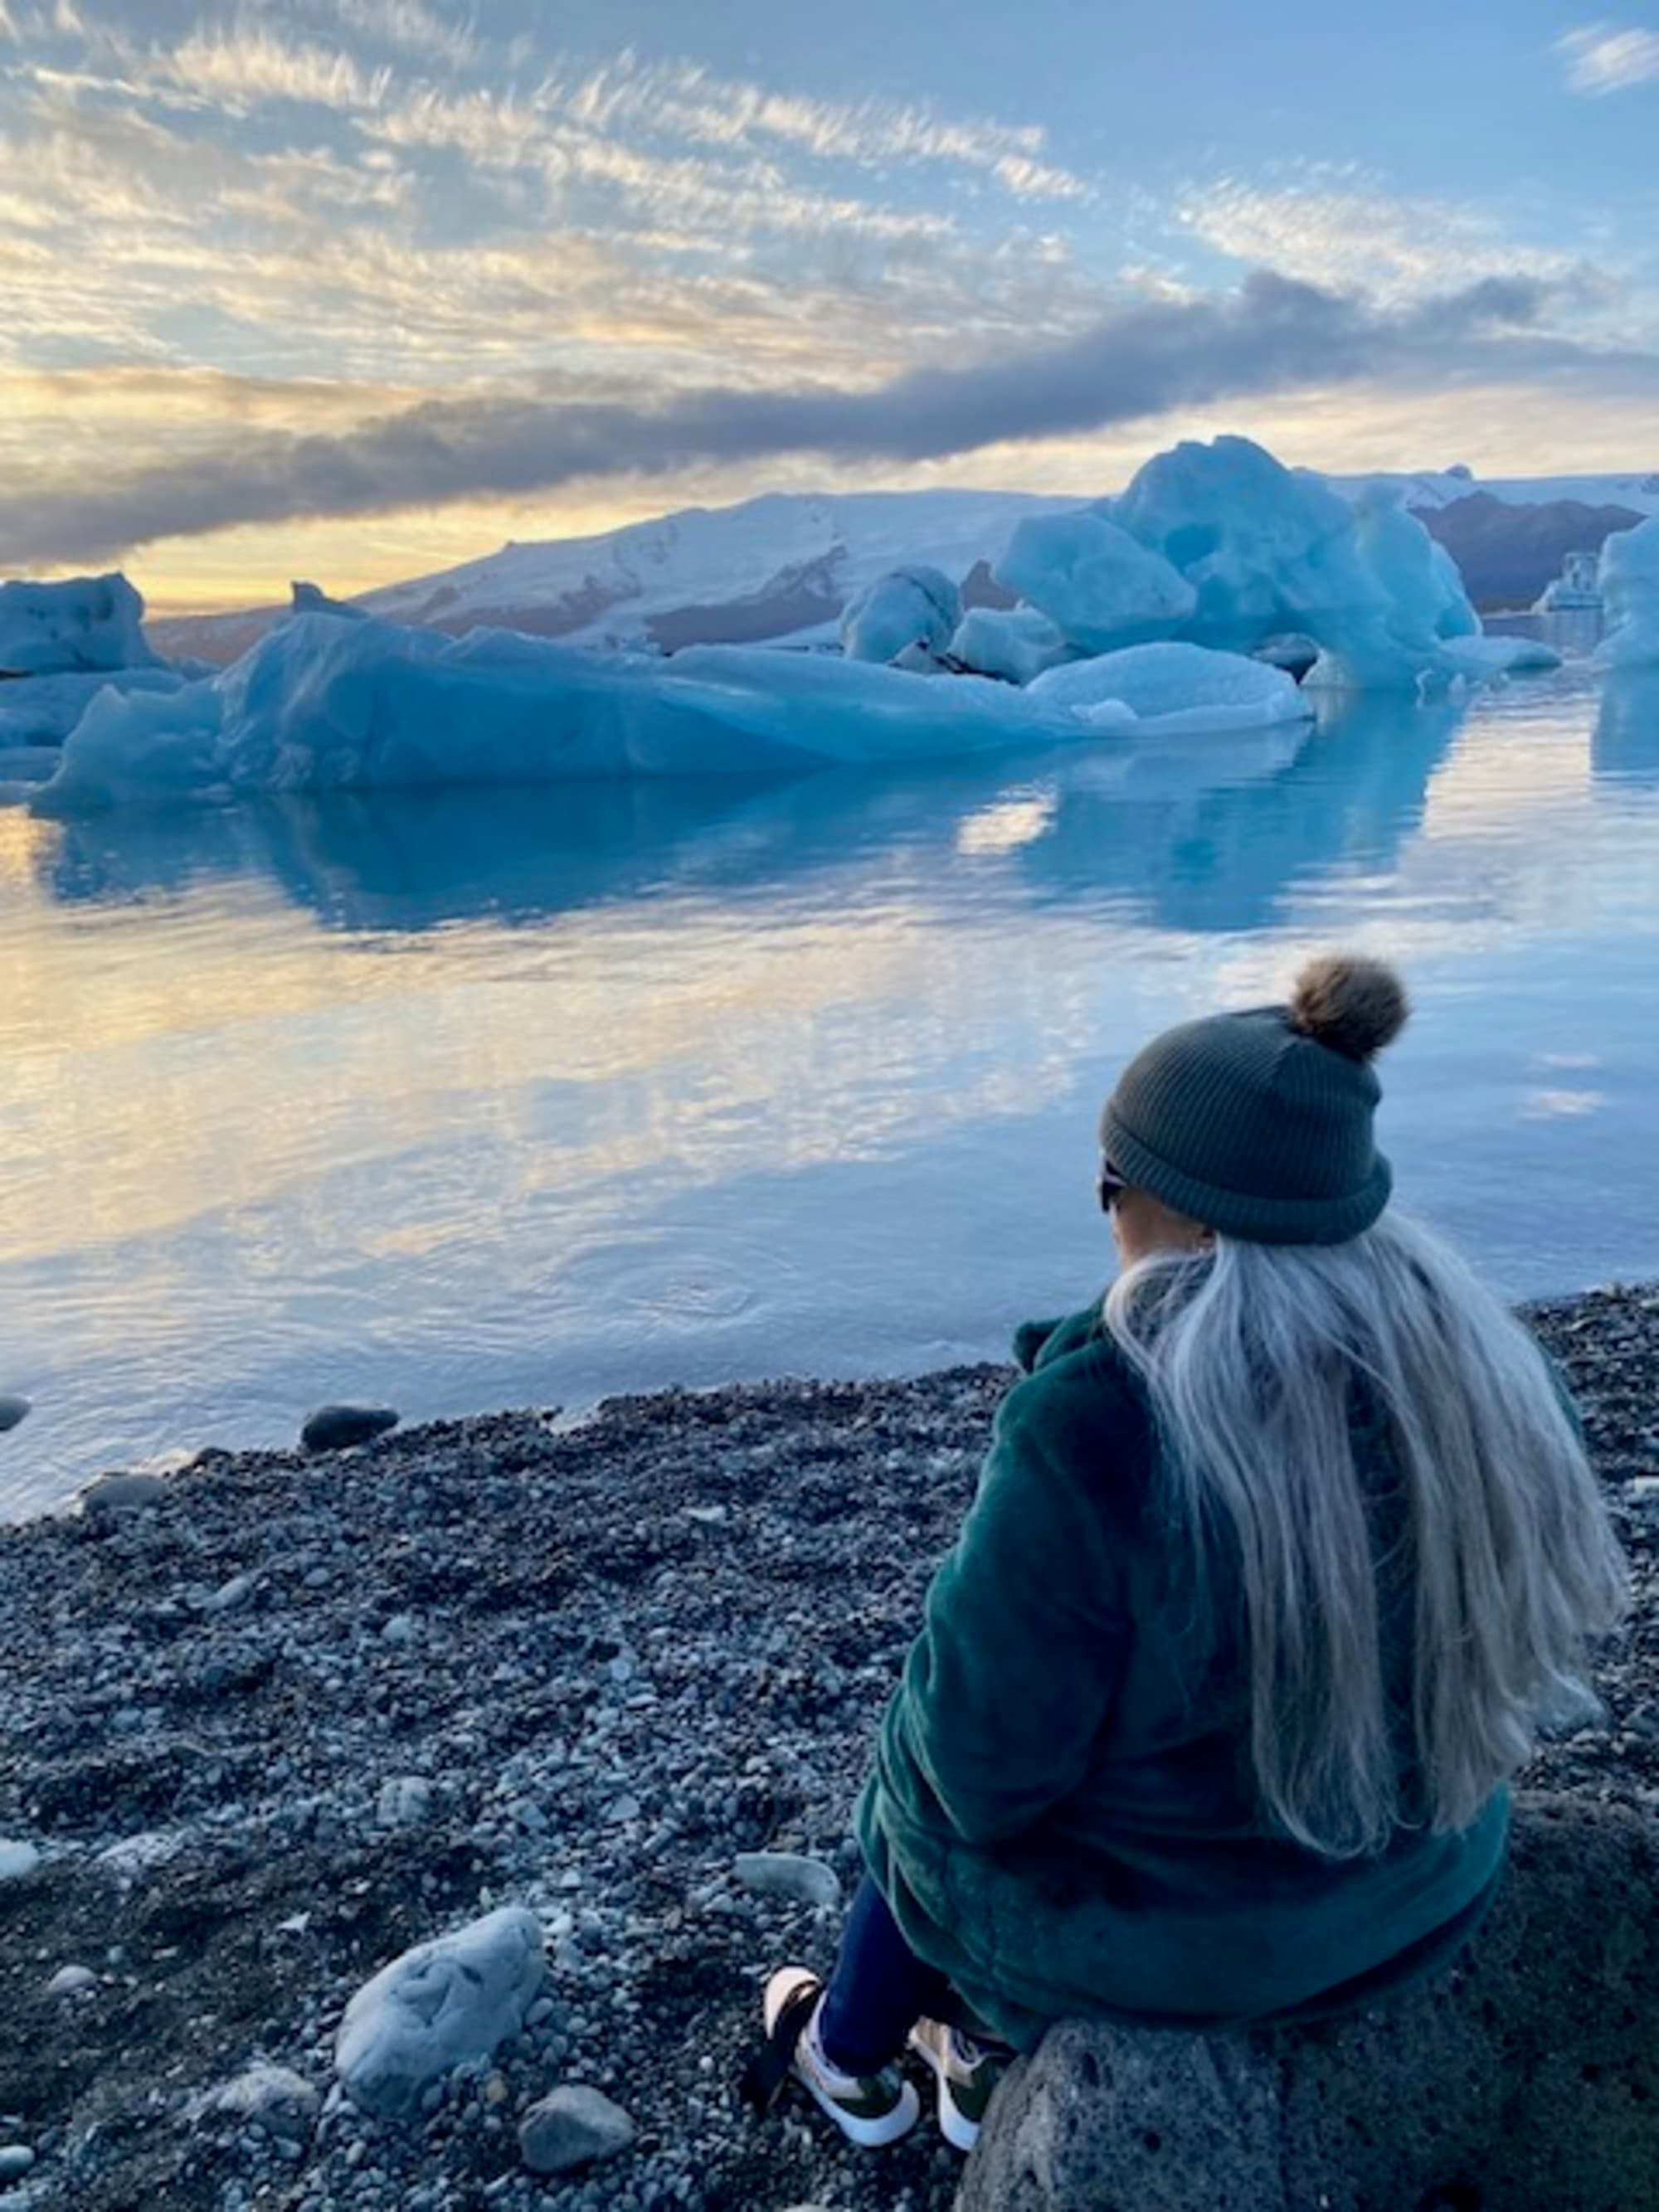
1259, 1124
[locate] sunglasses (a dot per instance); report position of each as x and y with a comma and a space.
1110, 1185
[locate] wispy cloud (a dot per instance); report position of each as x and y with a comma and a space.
1338, 226
239, 69
408, 27
1142, 360
692, 104
1601, 58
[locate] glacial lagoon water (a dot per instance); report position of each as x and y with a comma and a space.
468, 1099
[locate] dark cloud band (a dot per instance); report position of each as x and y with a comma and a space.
1275, 334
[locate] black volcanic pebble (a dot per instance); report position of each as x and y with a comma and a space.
332, 1428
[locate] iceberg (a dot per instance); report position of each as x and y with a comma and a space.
1174, 687
1479, 660
1097, 585
85, 623
42, 710
324, 704
1221, 546
907, 615
1012, 643
1629, 580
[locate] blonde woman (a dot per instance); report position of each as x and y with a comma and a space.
1279, 1558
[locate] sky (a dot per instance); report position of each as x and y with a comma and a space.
356, 290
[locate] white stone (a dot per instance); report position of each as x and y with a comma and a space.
136, 1854
405, 1802
16, 2161
788, 1873
229, 1596
69, 1981
439, 2004
17, 1861
281, 2102
573, 2127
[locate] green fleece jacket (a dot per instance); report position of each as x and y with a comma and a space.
1061, 1813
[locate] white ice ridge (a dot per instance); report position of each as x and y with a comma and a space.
326, 703
1629, 578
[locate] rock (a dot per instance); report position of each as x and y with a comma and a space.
69, 1981
1524, 2074
281, 2102
405, 1802
16, 2161
787, 1873
334, 1428
575, 2126
453, 1999
229, 1596
17, 1861
12, 1410
113, 1496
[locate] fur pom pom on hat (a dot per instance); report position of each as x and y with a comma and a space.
1259, 1124
1353, 1005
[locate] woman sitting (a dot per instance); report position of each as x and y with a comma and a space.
1278, 1560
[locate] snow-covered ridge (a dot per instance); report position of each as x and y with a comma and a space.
1636, 489
770, 567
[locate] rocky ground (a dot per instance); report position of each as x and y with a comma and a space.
617, 1654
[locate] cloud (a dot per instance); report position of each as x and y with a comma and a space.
684, 101
1142, 360
410, 27
1601, 57
1338, 226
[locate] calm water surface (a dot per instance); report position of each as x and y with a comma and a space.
468, 1100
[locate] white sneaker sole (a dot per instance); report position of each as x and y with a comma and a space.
957, 2129
868, 2135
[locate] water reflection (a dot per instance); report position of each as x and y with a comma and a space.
1198, 833
1625, 743
470, 1098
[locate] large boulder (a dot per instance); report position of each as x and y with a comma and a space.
1525, 2077
436, 2008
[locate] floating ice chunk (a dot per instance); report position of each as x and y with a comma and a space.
87, 622
1480, 659
1015, 643
1172, 687
1419, 577
910, 612
1629, 577
42, 710
320, 703
1266, 551
1099, 588
140, 748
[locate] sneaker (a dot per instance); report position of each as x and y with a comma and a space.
869, 2109
966, 2072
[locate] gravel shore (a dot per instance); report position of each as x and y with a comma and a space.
617, 1654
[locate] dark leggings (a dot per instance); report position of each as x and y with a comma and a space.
878, 1990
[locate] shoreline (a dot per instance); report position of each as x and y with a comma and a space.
617, 1652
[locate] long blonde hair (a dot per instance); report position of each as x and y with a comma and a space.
1255, 1358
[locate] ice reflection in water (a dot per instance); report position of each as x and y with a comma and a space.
462, 1099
